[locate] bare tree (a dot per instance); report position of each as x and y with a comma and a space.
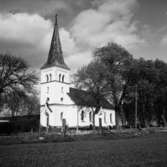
16, 81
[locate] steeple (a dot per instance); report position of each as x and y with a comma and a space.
55, 56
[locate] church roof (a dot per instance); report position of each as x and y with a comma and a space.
83, 98
55, 56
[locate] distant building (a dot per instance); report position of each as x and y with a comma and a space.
60, 101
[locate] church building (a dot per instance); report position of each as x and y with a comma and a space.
59, 101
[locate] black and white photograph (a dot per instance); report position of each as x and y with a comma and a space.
83, 83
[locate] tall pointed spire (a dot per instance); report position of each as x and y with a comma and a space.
55, 56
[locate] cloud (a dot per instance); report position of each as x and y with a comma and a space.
23, 28
68, 42
162, 36
31, 6
67, 9
112, 21
164, 40
29, 35
79, 59
107, 21
23, 34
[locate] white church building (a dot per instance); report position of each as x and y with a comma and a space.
59, 101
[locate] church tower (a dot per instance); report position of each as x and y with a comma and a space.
55, 81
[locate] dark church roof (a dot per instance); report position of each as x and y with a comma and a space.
55, 56
83, 98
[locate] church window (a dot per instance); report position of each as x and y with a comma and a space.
82, 115
47, 78
61, 116
104, 117
63, 78
59, 77
50, 75
90, 116
110, 118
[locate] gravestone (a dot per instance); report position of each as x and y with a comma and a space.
100, 126
64, 127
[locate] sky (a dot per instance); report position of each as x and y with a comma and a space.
26, 27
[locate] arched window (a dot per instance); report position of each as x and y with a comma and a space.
82, 115
50, 75
61, 99
47, 78
63, 78
90, 116
110, 118
59, 77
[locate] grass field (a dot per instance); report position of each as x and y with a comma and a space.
147, 151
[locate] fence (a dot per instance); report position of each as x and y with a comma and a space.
9, 125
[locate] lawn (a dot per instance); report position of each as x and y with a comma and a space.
146, 151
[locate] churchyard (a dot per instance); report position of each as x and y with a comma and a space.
92, 151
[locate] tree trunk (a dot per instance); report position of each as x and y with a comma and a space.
117, 117
142, 116
13, 113
163, 118
94, 120
122, 115
146, 122
136, 107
